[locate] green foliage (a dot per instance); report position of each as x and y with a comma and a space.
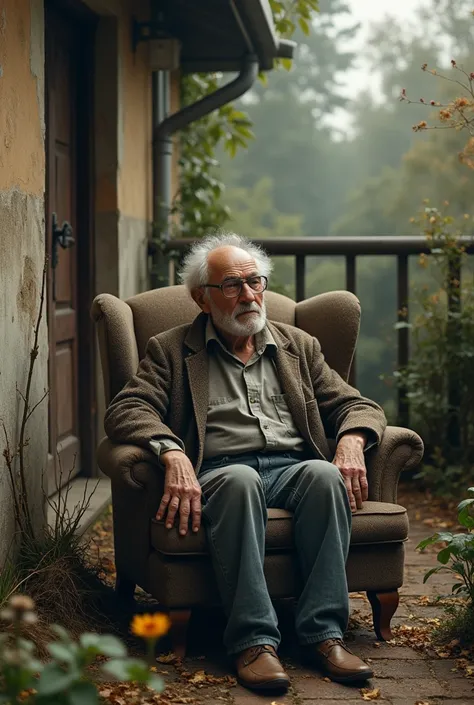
65, 678
456, 556
199, 199
439, 379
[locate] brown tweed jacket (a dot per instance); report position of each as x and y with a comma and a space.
168, 396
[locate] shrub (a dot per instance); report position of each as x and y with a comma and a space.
65, 679
456, 556
439, 378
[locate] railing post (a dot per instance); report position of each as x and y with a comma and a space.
454, 307
351, 273
300, 284
403, 337
351, 285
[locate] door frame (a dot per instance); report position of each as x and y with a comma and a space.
84, 212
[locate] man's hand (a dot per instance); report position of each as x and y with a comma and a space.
349, 458
182, 492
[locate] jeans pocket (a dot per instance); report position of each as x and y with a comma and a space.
214, 463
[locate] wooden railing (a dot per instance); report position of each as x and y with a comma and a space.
350, 248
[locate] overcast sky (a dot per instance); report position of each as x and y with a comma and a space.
366, 12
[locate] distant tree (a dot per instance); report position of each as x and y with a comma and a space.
293, 142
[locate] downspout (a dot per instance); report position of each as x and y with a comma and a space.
163, 141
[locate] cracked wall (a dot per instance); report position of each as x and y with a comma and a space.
22, 243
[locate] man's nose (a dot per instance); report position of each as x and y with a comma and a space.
247, 294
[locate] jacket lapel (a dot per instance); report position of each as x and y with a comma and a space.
288, 369
197, 365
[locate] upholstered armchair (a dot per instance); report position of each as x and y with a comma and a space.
177, 570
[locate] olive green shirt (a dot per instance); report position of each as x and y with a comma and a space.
247, 411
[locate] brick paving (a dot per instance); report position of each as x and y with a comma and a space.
402, 675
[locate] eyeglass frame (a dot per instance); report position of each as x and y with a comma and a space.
242, 281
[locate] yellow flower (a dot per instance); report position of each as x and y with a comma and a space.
150, 626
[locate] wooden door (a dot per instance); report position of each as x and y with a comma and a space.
65, 237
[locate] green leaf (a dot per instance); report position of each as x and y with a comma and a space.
466, 503
431, 572
61, 652
428, 542
54, 680
304, 25
156, 683
62, 633
111, 646
118, 668
458, 587
26, 645
444, 555
90, 640
138, 671
83, 694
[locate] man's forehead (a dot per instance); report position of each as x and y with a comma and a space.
231, 261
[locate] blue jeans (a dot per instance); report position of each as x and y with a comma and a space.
236, 492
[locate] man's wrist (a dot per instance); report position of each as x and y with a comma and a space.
167, 455
358, 437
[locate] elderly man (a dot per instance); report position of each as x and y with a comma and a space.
238, 410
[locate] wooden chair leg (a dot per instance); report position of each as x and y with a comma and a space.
384, 605
125, 589
179, 630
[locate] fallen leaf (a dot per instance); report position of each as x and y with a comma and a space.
167, 658
198, 677
368, 694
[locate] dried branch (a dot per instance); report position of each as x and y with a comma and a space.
26, 408
9, 463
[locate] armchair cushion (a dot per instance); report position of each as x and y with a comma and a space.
375, 523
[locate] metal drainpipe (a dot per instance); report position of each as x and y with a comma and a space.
163, 143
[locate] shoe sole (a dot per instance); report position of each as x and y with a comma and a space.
276, 684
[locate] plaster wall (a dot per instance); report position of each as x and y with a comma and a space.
22, 244
123, 154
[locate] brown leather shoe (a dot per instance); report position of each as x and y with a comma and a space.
338, 662
259, 668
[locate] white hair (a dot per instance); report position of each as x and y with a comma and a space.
195, 270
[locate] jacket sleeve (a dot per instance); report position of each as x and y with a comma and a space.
136, 415
341, 406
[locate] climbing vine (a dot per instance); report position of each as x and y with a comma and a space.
198, 201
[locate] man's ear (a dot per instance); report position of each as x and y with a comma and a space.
199, 296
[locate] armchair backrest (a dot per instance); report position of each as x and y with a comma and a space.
124, 327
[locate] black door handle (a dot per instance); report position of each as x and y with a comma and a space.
62, 236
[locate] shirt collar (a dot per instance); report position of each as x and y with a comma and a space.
264, 341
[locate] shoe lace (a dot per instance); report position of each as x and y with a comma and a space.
255, 652
331, 643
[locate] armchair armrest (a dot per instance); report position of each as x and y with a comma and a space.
129, 466
400, 449
137, 488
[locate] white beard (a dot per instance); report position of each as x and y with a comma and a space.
229, 323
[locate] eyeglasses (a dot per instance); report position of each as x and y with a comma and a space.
233, 287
